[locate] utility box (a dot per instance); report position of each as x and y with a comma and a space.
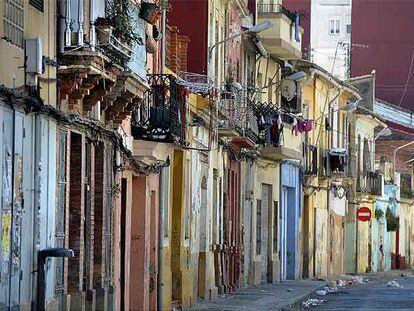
34, 62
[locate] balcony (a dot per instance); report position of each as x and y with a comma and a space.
112, 46
310, 154
161, 117
370, 183
334, 162
271, 138
283, 39
237, 120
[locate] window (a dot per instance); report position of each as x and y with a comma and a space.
348, 28
38, 4
334, 26
13, 21
258, 227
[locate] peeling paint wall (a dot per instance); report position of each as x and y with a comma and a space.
27, 188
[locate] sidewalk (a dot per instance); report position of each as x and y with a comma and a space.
262, 298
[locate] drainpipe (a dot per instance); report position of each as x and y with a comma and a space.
328, 253
163, 39
161, 220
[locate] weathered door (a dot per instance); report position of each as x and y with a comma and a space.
282, 233
264, 252
11, 171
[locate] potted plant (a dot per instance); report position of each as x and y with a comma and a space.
150, 12
379, 213
393, 222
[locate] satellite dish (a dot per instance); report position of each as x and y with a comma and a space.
288, 89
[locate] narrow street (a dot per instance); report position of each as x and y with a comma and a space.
293, 295
374, 295
168, 155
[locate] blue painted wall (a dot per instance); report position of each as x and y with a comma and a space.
138, 61
290, 180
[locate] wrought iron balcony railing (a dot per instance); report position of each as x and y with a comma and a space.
333, 162
310, 154
369, 182
162, 114
236, 113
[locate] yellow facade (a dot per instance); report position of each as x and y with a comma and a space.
325, 100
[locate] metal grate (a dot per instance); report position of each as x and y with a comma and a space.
13, 21
38, 4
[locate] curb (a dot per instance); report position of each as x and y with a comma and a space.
295, 305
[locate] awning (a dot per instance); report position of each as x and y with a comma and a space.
400, 128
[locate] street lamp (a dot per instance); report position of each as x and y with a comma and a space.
249, 31
350, 107
397, 149
384, 132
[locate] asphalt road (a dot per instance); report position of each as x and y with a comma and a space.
373, 295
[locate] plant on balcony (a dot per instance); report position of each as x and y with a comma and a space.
119, 16
393, 222
379, 213
150, 12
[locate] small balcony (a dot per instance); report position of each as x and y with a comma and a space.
370, 183
334, 162
229, 116
271, 137
284, 38
161, 117
111, 45
237, 120
310, 155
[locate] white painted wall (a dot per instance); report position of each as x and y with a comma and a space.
323, 42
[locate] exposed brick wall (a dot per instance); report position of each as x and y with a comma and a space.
176, 49
75, 213
387, 147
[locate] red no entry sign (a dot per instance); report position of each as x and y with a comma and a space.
364, 214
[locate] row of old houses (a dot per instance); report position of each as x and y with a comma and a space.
154, 154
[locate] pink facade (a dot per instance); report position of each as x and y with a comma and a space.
382, 41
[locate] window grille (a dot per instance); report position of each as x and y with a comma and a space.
13, 21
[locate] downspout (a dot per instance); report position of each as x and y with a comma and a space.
328, 238
163, 39
161, 220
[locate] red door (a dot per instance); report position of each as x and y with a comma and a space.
233, 231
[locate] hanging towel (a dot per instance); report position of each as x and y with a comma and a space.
303, 126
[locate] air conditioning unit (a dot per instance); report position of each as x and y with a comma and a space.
34, 62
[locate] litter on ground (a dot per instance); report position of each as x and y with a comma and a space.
311, 302
394, 284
